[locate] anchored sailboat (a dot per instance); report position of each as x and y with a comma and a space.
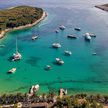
17, 55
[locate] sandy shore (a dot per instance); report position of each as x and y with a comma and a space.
102, 7
2, 34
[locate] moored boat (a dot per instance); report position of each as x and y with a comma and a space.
57, 31
94, 53
48, 67
77, 29
56, 45
34, 37
59, 61
16, 56
13, 70
71, 36
68, 52
87, 37
62, 27
34, 89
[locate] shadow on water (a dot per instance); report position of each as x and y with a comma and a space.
33, 61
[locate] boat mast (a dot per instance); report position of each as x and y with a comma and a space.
16, 46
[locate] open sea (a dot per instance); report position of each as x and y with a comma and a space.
81, 72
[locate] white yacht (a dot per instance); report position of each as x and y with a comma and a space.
62, 27
12, 70
34, 37
68, 52
56, 45
59, 61
87, 36
17, 55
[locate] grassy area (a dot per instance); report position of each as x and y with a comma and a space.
19, 16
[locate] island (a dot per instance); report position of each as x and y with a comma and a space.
20, 17
103, 7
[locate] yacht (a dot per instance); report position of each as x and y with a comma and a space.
16, 56
12, 70
87, 36
77, 29
48, 67
68, 52
59, 61
62, 27
34, 37
56, 45
72, 36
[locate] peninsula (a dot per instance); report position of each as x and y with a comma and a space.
19, 17
103, 7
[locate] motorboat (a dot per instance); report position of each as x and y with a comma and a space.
62, 27
72, 36
56, 45
12, 70
68, 52
77, 29
34, 37
16, 56
57, 31
48, 67
87, 37
59, 61
34, 89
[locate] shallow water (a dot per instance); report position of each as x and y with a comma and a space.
81, 72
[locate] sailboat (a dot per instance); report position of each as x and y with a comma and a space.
16, 56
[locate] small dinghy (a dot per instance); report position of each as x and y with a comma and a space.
34, 37
13, 70
48, 67
68, 52
94, 53
56, 31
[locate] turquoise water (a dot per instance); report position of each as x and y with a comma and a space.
81, 72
